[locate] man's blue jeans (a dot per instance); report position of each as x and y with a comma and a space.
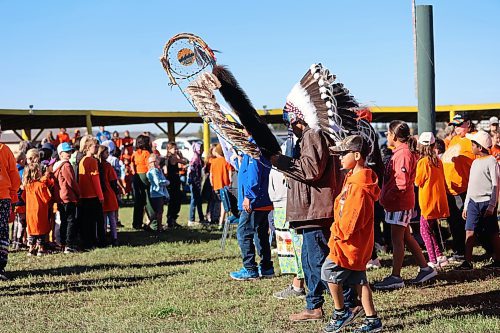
254, 226
314, 252
195, 203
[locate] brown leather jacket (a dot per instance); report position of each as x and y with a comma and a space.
314, 181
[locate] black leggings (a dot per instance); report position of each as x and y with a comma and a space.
92, 222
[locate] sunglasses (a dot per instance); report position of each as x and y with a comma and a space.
345, 152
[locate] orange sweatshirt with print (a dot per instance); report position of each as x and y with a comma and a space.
457, 161
9, 176
37, 197
351, 240
431, 189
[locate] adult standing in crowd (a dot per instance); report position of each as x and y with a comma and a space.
194, 181
62, 136
76, 137
117, 140
128, 144
313, 179
103, 135
457, 161
172, 163
493, 127
139, 163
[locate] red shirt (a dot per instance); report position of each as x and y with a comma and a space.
110, 201
398, 191
63, 137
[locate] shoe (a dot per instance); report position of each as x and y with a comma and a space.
493, 266
119, 224
390, 282
456, 258
308, 315
465, 266
41, 253
370, 325
339, 321
357, 312
31, 251
424, 274
442, 261
3, 275
69, 250
16, 246
244, 275
290, 292
373, 264
266, 273
192, 224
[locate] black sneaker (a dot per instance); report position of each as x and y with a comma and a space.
465, 266
493, 266
3, 275
370, 325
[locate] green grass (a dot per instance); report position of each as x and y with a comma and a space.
178, 282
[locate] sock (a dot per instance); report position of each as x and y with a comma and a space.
371, 317
341, 311
297, 289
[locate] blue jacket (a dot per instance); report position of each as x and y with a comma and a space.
253, 182
158, 183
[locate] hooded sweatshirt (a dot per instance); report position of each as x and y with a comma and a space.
68, 189
351, 240
9, 176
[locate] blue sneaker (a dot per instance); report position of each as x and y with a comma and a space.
266, 273
244, 275
370, 325
339, 321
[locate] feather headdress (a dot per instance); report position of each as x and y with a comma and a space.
202, 94
241, 105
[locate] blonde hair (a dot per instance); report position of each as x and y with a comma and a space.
32, 174
89, 142
33, 156
83, 141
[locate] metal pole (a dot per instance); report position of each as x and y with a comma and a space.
88, 121
425, 70
206, 138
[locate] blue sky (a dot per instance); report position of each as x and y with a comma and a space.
104, 54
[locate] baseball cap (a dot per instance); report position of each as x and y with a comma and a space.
493, 120
482, 138
48, 146
66, 147
354, 143
426, 139
458, 120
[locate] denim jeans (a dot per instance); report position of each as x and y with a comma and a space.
195, 203
254, 226
314, 252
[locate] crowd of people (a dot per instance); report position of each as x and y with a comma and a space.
329, 212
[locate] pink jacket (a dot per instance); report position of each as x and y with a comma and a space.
398, 191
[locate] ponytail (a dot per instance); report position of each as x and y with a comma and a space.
401, 131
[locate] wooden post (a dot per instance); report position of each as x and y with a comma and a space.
171, 131
88, 121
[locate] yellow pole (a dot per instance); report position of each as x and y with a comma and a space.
206, 138
88, 121
452, 113
26, 134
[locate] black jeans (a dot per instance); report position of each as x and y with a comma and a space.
69, 227
456, 222
174, 205
139, 201
92, 222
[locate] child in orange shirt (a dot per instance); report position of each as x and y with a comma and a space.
110, 190
220, 176
9, 185
37, 197
431, 197
352, 236
495, 149
91, 197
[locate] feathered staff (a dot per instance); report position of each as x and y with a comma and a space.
241, 105
201, 92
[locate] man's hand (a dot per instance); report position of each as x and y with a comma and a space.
489, 211
246, 205
464, 214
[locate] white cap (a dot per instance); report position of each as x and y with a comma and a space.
426, 139
493, 120
481, 137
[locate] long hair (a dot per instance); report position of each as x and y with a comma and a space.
401, 131
32, 156
170, 145
102, 161
430, 152
89, 142
32, 174
143, 142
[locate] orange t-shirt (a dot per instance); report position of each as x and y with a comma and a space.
88, 179
219, 173
110, 200
118, 142
457, 161
37, 197
432, 189
495, 152
140, 160
63, 137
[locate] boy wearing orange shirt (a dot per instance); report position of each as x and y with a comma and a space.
352, 237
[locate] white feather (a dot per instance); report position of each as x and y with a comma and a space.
299, 97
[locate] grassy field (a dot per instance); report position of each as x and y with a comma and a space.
178, 282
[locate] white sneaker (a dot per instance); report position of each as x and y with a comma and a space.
433, 265
192, 223
442, 261
373, 264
